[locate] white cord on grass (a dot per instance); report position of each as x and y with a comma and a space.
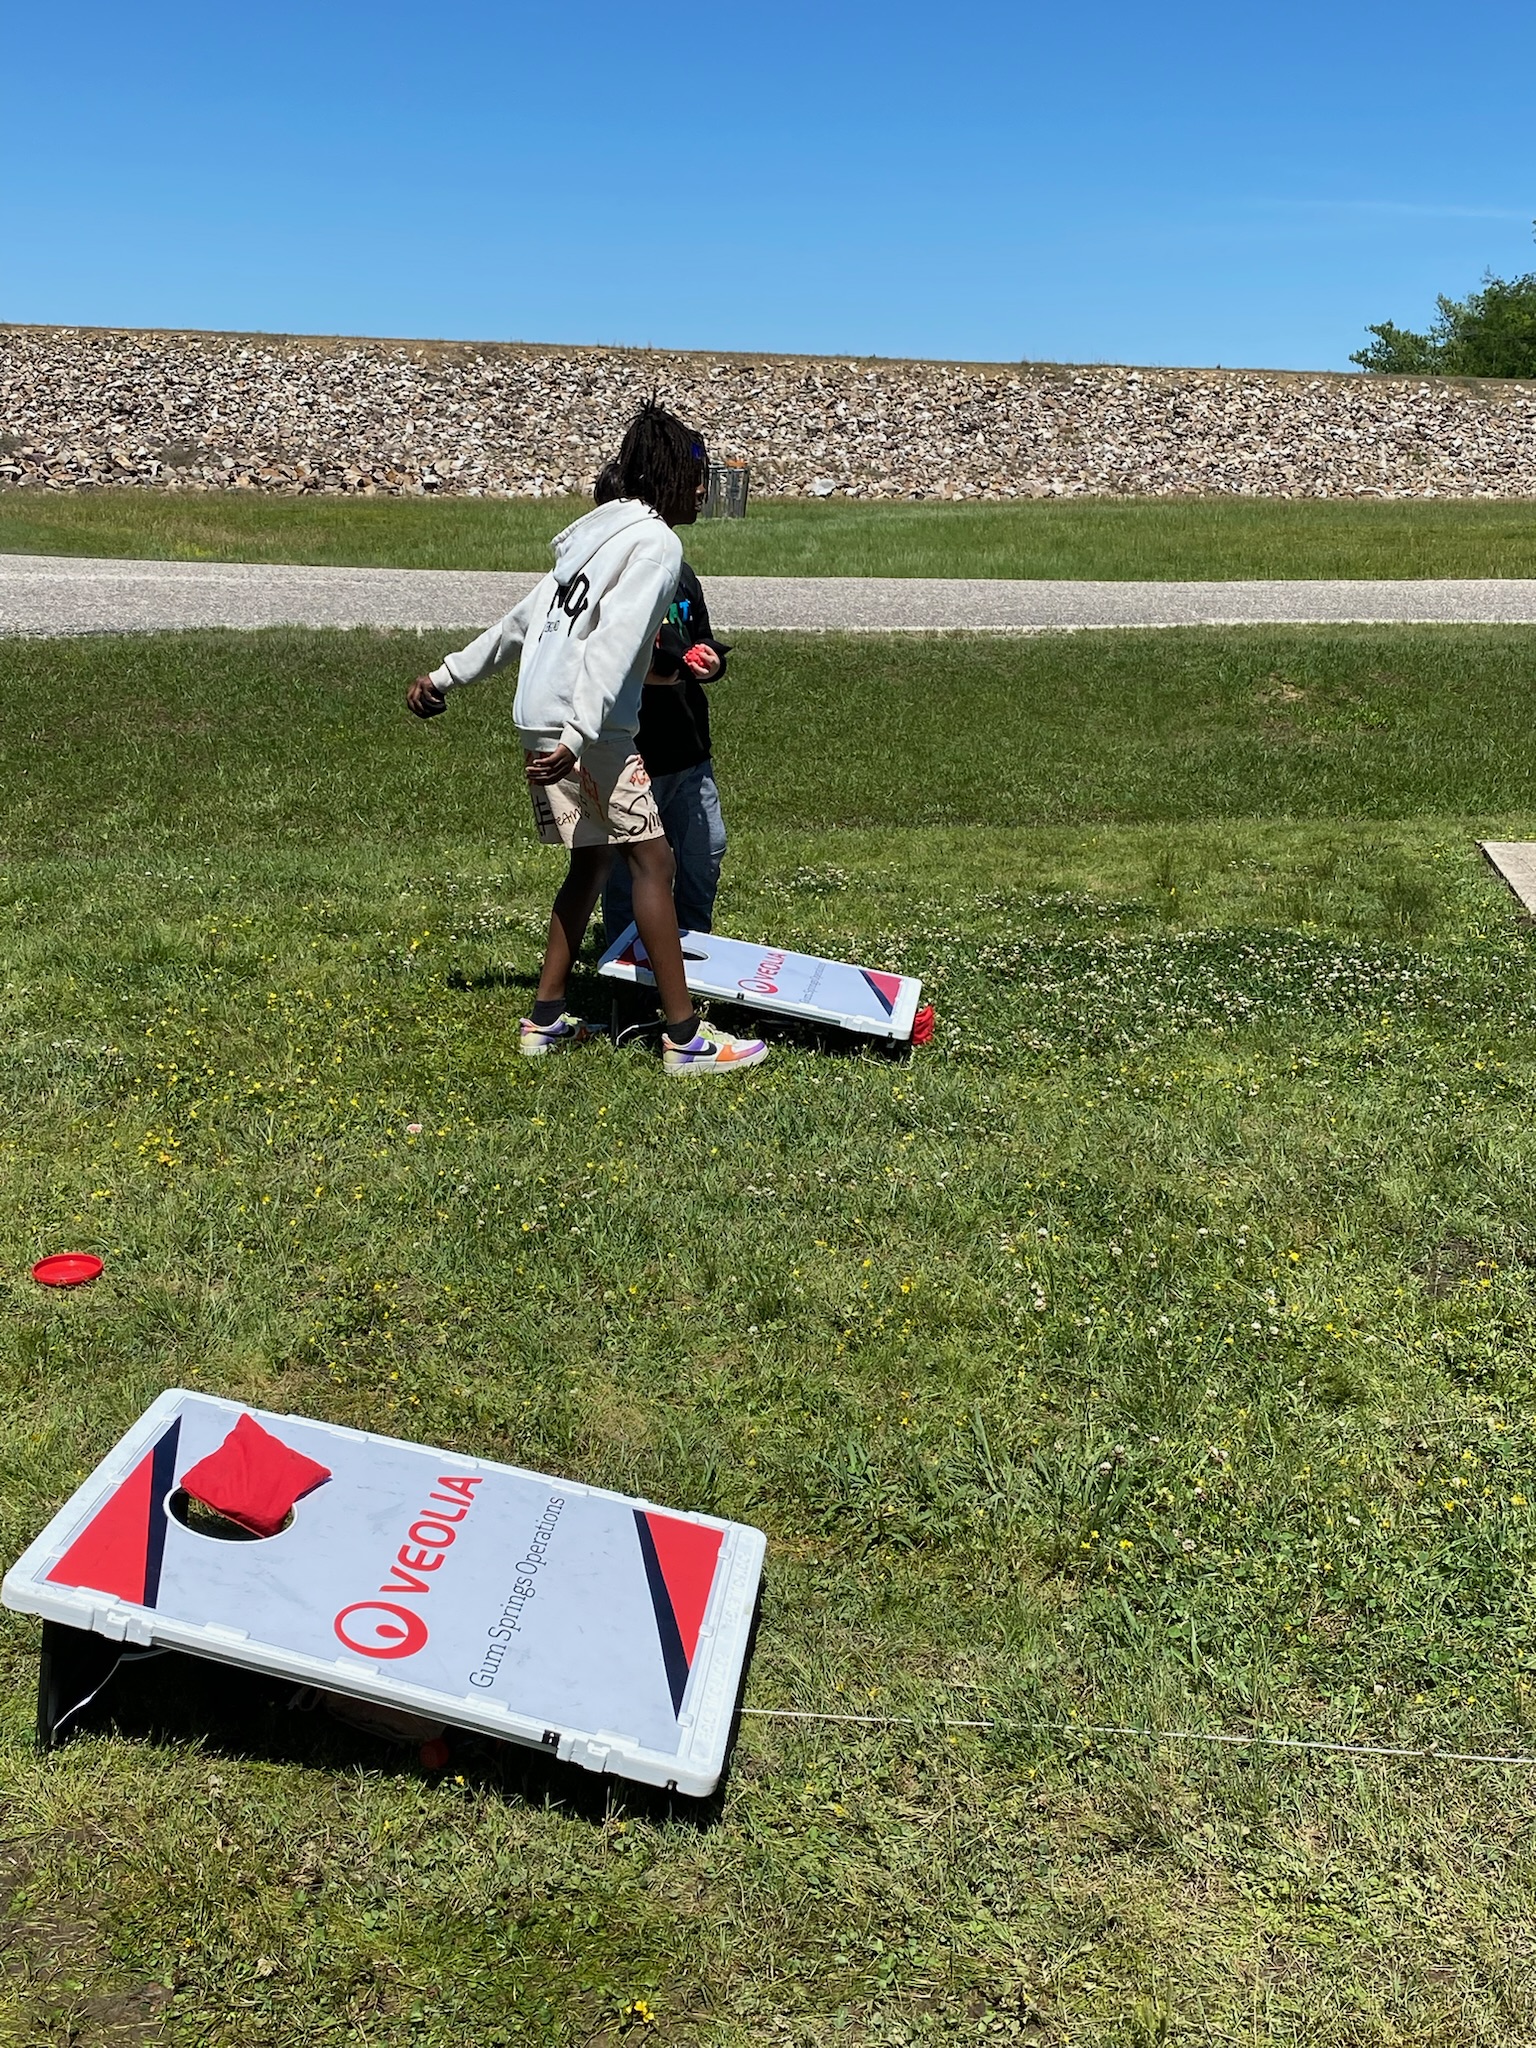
640, 1030
1089, 1728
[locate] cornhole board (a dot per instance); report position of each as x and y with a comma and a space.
1515, 860
609, 1631
790, 984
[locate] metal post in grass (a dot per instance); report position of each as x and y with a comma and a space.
729, 483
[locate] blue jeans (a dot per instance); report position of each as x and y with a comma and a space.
689, 804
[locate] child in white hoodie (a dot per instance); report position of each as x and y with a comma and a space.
585, 636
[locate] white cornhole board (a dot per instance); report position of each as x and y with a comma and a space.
1515, 860
598, 1627
792, 984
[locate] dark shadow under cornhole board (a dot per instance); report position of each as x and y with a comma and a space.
789, 984
1515, 860
606, 1630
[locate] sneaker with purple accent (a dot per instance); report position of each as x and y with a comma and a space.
534, 1040
711, 1051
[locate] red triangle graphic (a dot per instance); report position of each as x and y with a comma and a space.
886, 986
687, 1556
111, 1553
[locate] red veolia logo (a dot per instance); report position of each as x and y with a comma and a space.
762, 983
393, 1630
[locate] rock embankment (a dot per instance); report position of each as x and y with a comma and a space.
86, 407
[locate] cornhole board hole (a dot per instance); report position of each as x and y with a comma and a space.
1515, 860
604, 1629
790, 984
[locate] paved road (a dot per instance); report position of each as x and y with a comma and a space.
49, 594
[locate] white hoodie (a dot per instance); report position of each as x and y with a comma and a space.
585, 632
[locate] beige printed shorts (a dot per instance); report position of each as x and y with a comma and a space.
606, 800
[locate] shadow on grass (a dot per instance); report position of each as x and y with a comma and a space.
493, 978
805, 1036
184, 1701
583, 987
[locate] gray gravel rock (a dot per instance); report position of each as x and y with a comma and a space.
86, 407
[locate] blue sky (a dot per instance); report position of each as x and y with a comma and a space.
1188, 184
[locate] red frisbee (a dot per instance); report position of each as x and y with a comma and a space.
67, 1269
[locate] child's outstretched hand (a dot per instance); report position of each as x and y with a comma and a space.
702, 661
425, 698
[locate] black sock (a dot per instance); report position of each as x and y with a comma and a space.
548, 1012
689, 1028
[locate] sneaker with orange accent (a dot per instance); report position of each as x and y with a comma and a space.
711, 1051
534, 1040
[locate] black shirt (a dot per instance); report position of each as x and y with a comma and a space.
674, 717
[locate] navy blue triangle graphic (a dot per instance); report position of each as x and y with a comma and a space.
162, 1479
671, 1635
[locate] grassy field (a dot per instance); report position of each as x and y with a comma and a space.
1155, 1351
1096, 538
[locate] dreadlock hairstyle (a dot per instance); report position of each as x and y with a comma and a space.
660, 461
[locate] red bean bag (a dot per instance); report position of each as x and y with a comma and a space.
253, 1478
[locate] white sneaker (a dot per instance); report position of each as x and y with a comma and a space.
534, 1040
712, 1051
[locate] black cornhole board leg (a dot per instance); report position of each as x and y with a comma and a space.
74, 1666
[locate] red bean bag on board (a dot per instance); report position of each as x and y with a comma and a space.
253, 1478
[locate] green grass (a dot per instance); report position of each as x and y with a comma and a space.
221, 739
1155, 1351
1096, 538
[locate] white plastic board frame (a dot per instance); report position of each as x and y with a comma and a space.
580, 1621
792, 984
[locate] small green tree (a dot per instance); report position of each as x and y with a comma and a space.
1399, 352
1490, 333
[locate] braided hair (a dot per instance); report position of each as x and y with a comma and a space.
660, 463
